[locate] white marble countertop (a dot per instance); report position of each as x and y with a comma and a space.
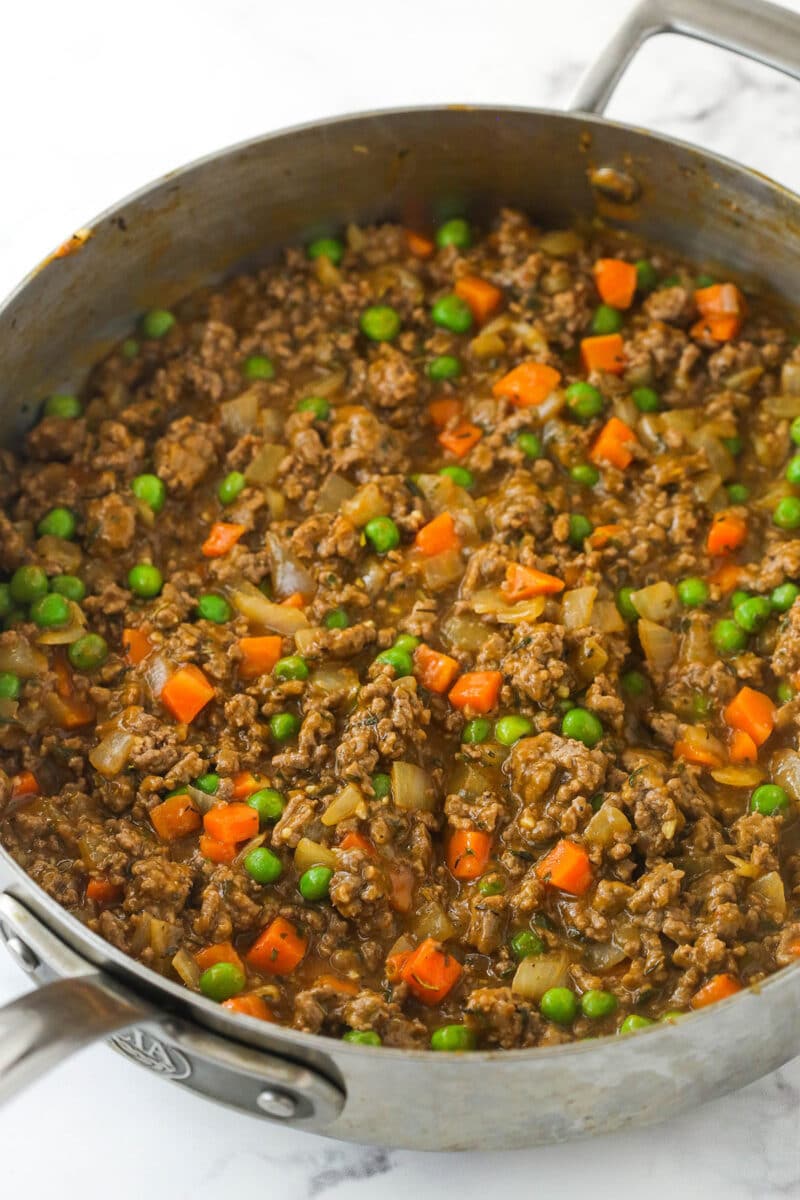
98, 99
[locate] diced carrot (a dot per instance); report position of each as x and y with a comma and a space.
175, 817
279, 949
345, 987
482, 297
753, 712
245, 783
186, 693
437, 536
726, 576
566, 867
468, 852
431, 972
613, 444
137, 645
727, 533
794, 948
222, 537
296, 600
459, 441
70, 712
395, 964
222, 952
401, 886
702, 756
616, 281
24, 784
231, 823
606, 352
443, 410
603, 534
476, 690
216, 852
259, 655
521, 583
528, 384
719, 329
718, 988
720, 300
249, 1005
357, 841
420, 247
742, 748
433, 670
102, 891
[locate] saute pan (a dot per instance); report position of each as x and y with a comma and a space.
235, 208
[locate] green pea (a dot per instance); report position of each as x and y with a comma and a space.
476, 731
646, 275
150, 490
64, 406
208, 783
446, 366
583, 726
6, 602
509, 730
222, 981
752, 614
129, 348
455, 232
769, 799
785, 692
317, 405
584, 401
585, 474
59, 522
381, 786
452, 1039
560, 1005
337, 618
634, 683
145, 580
268, 803
645, 399
453, 313
231, 487
291, 667
784, 596
597, 801
51, 611
530, 444
27, 585
10, 685
704, 280
794, 431
491, 886
69, 586
380, 323
258, 366
674, 1014
283, 725
407, 642
157, 323
89, 652
670, 281
525, 943
263, 866
734, 445
400, 660
606, 320
315, 883
580, 528
214, 608
326, 247
362, 1037
625, 606
692, 592
596, 1004
793, 469
738, 493
727, 637
459, 475
738, 597
701, 705
634, 1022
382, 534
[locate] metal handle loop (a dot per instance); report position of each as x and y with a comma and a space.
755, 28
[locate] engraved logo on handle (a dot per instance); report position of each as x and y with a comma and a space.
149, 1052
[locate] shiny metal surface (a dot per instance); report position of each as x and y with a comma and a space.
240, 207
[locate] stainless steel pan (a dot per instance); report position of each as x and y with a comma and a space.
203, 222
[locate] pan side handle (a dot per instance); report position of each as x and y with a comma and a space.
755, 28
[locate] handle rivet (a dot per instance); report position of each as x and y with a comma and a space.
22, 954
276, 1104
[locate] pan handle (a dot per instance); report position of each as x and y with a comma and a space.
755, 28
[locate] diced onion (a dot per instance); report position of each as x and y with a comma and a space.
203, 801
743, 867
163, 936
326, 272
606, 617
59, 552
471, 780
262, 613
348, 803
697, 645
463, 632
492, 602
156, 672
660, 645
334, 679
532, 338
784, 769
786, 406
606, 824
431, 921
253, 844
304, 638
790, 378
185, 966
240, 414
441, 570
719, 457
442, 494
19, 656
576, 607
589, 660
602, 956
365, 504
266, 464
744, 380
698, 737
334, 492
734, 776
412, 788
110, 756
561, 242
770, 888
288, 573
312, 854
271, 422
8, 708
487, 345
537, 973
74, 629
658, 602
706, 485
